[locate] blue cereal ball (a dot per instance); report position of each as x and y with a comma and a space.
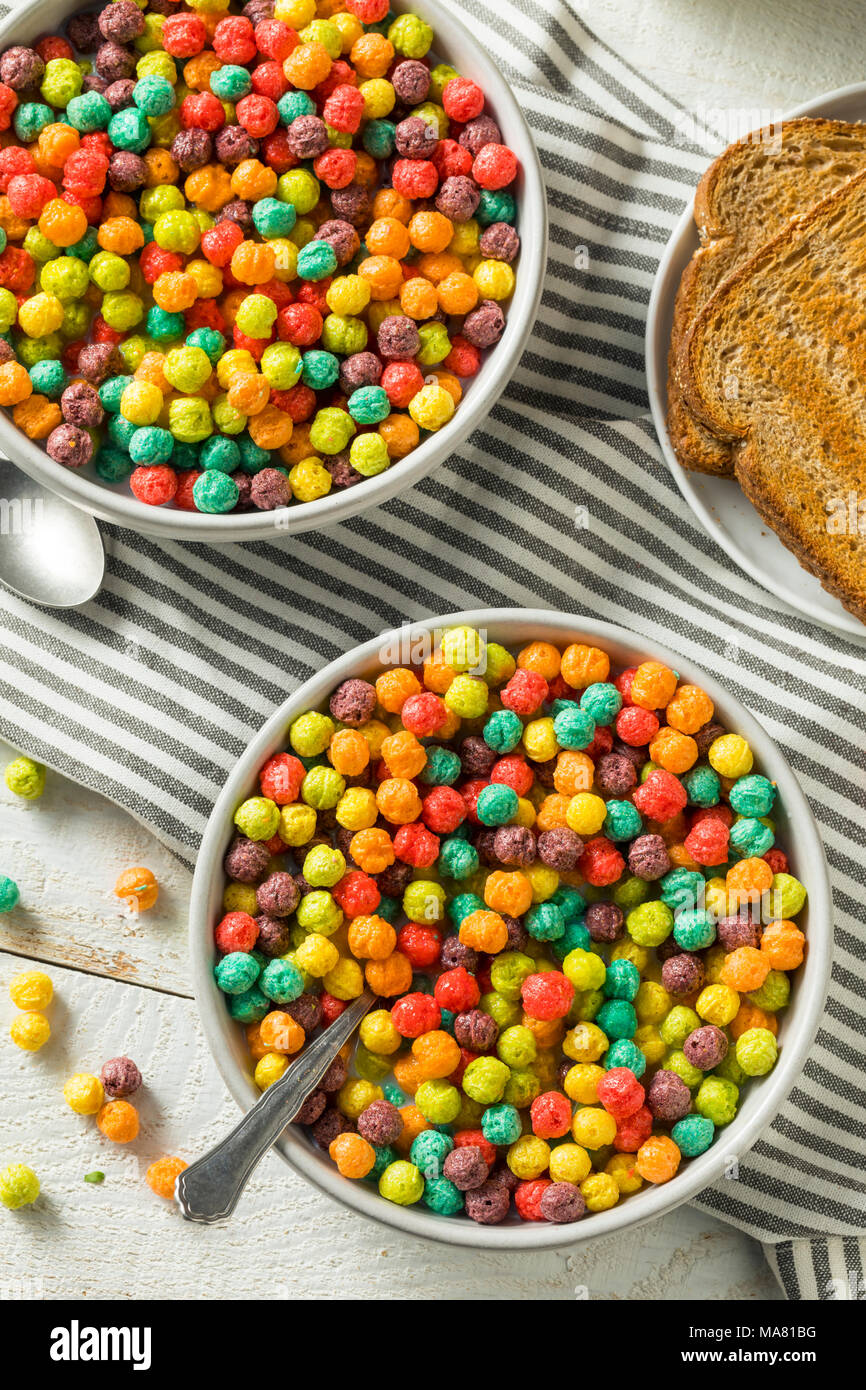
221, 453
622, 980
379, 138
49, 378
442, 767
385, 1155
750, 837
150, 444
693, 1135
320, 369
442, 1196
461, 906
501, 1124
617, 1019
253, 457
316, 261
623, 821
503, 731
694, 929
703, 787
249, 1007
625, 1053
497, 804
110, 392
574, 727
8, 893
162, 325
215, 492
231, 82
236, 973
154, 95
282, 981
602, 700
130, 130
429, 1151
545, 922
88, 112
752, 795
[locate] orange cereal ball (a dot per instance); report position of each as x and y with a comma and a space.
574, 772
673, 751
175, 291
37, 416
484, 931
15, 383
404, 755
414, 1124
383, 274
371, 937
457, 293
353, 1155
394, 687
349, 752
389, 977
542, 657
371, 55
401, 435
436, 1054
398, 800
254, 1041
658, 1159
745, 969
582, 665
279, 1032
372, 850
162, 1175
430, 231
121, 235
653, 685
508, 893
307, 66
750, 1016
270, 427
389, 203
783, 944
138, 888
418, 298
387, 237
118, 1121
553, 813
748, 880
210, 188
253, 263
689, 709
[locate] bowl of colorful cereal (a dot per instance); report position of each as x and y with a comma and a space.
260, 269
580, 876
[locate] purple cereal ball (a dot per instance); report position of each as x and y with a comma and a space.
514, 844
257, 10
706, 1047
92, 82
360, 369
21, 68
648, 857
233, 143
307, 137
398, 338
738, 930
455, 953
278, 896
488, 1204
636, 756
246, 860
485, 325
562, 1071
341, 471
84, 33
96, 361
245, 486
668, 1097
80, 405
334, 1076
343, 840
274, 938
351, 204
353, 702
121, 21
312, 1109
475, 1030
504, 1177
393, 881
341, 237
330, 1124
301, 883
415, 139
119, 94
411, 82
458, 198
163, 7
562, 1202
614, 775
114, 62
7, 352
485, 844
466, 1167
518, 936
306, 1010
270, 489
604, 921
559, 849
478, 133
237, 211
707, 734
126, 171
380, 1124
70, 446
545, 772
682, 975
499, 242
192, 149
476, 757
667, 949
120, 1077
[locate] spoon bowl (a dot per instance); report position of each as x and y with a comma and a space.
50, 552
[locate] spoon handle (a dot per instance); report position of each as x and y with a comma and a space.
208, 1190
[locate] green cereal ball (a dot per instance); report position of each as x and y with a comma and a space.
220, 453
30, 118
230, 83
402, 1183
385, 1156
682, 888
154, 95
369, 405
676, 1025
438, 1101
120, 431
756, 1051
501, 1124
751, 837
256, 315
424, 901
49, 378
319, 369
429, 1151
179, 231
317, 912
631, 892
150, 445
295, 104
435, 344
443, 1197
281, 365
602, 700
442, 767
457, 859
495, 206
311, 733
129, 130
249, 1007
132, 350
38, 246
25, 778
214, 491
8, 893
369, 1066
440, 76
109, 271
229, 420
503, 731
76, 321
545, 922
650, 924
508, 970
187, 368
484, 1079
33, 350
623, 821
281, 981
717, 1100
343, 334
787, 896
517, 1047
703, 786
236, 973
87, 247
113, 465
624, 1053
678, 1062
584, 969
61, 81
694, 929
617, 1019
271, 218
368, 455
316, 261
521, 1088
410, 36
88, 112
571, 904
774, 992
122, 310
462, 905
497, 805
586, 1005
322, 788
164, 197
693, 1135
498, 662
622, 980
258, 818
752, 795
730, 1069
331, 430
111, 392
185, 456
19, 1186
379, 138
210, 340
189, 420
323, 866
574, 727
576, 937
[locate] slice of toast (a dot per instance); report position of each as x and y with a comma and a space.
745, 198
776, 363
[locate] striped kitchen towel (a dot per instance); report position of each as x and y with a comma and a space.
561, 500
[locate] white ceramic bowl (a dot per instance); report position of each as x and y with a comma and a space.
726, 513
454, 44
797, 830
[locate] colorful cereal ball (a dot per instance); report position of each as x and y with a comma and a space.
162, 1175
118, 1121
31, 989
83, 1093
25, 778
19, 1186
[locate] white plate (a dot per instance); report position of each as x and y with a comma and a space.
726, 513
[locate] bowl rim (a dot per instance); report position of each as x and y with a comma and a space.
651, 1202
496, 372
655, 356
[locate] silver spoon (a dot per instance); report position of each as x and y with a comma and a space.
50, 552
208, 1190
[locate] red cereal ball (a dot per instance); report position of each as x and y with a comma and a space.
415, 178
550, 1115
470, 792
707, 842
154, 260
341, 74
423, 714
620, 1093
53, 46
495, 166
281, 777
184, 498
205, 313
636, 726
602, 743
415, 1014
451, 159
527, 1198
28, 194
237, 931
300, 324
17, 270
456, 1076
14, 161
401, 381
335, 168
202, 111
254, 346
548, 995
463, 360
315, 292
456, 990
777, 860
416, 845
419, 944
269, 80
443, 809
298, 402
85, 171
474, 1138
623, 683
276, 154
720, 812
8, 102
91, 207
258, 115
525, 692
462, 99
331, 1007
357, 894
661, 797
276, 290
102, 332
154, 485
183, 35
633, 1130
344, 108
601, 862
275, 39
234, 40
368, 11
514, 772
219, 243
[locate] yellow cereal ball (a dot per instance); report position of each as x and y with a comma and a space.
356, 1094
569, 1163
600, 1191
730, 756
544, 881
593, 1127
652, 1002
240, 897
346, 979
718, 1004
32, 989
540, 741
317, 955
529, 1157
581, 1083
269, 1069
623, 1169
495, 279
83, 1093
586, 813
378, 1033
431, 408
30, 1031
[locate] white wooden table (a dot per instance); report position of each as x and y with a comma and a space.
122, 985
